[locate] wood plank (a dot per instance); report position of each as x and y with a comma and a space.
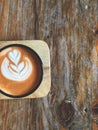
14, 114
69, 29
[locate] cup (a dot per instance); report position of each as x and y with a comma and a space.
21, 70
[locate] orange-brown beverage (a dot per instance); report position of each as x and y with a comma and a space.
20, 70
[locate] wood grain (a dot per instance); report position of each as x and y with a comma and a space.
68, 26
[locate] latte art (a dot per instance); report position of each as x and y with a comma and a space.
20, 70
16, 71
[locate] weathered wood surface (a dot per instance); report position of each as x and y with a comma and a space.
68, 26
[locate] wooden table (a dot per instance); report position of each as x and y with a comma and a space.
70, 29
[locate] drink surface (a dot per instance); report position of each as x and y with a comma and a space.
20, 70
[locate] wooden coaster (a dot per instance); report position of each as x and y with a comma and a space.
42, 50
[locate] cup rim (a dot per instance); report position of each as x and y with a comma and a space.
42, 70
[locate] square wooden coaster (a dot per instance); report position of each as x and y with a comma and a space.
41, 48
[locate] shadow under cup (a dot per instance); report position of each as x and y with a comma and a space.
21, 70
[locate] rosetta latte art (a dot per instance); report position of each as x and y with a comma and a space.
14, 69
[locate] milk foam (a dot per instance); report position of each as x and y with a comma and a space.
14, 69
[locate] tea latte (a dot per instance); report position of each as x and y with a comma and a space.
20, 70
